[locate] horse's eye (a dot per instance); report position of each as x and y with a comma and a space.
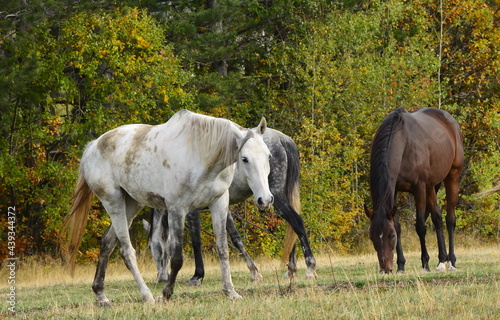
244, 159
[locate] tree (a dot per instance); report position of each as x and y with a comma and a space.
68, 83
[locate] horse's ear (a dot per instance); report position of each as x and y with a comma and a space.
146, 225
369, 213
392, 213
262, 126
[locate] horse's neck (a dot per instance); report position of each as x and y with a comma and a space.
394, 161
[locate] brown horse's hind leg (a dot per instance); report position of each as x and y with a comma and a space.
451, 185
437, 220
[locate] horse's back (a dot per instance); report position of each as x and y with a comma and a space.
442, 128
433, 145
443, 118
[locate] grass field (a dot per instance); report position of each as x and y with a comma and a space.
348, 287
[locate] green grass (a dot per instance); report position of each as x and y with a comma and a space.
348, 287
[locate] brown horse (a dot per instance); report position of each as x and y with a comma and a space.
414, 152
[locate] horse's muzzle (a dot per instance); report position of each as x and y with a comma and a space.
264, 205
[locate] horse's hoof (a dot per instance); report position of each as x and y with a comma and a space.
257, 277
289, 275
233, 295
452, 268
168, 293
104, 303
441, 267
194, 282
160, 299
311, 274
150, 300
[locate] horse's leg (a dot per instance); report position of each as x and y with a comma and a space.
437, 220
399, 247
176, 219
158, 239
219, 209
122, 209
451, 186
236, 239
292, 263
295, 220
108, 244
421, 217
195, 227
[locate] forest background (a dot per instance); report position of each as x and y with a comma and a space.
323, 72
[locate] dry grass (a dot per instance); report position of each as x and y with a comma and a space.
348, 287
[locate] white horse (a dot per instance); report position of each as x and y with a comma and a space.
284, 183
184, 164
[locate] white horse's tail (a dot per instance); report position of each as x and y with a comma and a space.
76, 221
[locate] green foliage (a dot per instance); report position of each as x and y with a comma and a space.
326, 74
482, 216
68, 82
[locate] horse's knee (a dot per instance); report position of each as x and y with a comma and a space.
223, 253
127, 252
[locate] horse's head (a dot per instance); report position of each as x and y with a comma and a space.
384, 237
253, 164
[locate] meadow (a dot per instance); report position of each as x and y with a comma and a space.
348, 287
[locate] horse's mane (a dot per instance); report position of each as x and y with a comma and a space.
380, 188
213, 138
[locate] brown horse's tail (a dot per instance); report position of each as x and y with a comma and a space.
292, 186
76, 221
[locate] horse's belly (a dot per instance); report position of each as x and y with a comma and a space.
190, 190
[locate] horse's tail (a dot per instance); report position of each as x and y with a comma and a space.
76, 221
292, 187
